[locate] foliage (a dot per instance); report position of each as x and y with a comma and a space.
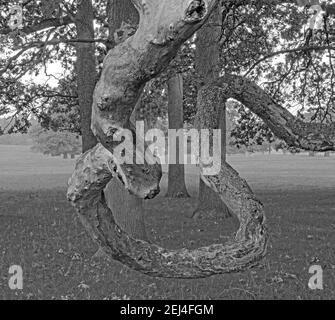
154, 101
267, 41
47, 38
55, 143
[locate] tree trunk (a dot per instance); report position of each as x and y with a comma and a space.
127, 209
164, 26
86, 71
176, 182
207, 68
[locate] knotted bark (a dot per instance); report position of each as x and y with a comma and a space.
95, 169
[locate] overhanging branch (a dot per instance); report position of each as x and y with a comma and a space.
295, 132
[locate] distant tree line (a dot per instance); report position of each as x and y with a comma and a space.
55, 143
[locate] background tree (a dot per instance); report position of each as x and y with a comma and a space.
176, 183
207, 64
86, 69
54, 143
172, 96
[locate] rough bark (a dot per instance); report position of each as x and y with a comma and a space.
176, 180
164, 26
128, 210
94, 171
207, 67
86, 71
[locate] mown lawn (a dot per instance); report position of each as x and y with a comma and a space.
39, 231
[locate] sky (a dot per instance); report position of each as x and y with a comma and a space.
54, 71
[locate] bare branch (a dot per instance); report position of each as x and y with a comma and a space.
43, 44
283, 51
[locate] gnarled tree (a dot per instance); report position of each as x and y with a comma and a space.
164, 26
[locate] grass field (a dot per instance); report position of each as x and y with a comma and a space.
40, 232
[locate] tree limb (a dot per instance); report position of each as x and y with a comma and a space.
283, 51
96, 168
295, 132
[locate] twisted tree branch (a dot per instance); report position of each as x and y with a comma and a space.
295, 132
93, 172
